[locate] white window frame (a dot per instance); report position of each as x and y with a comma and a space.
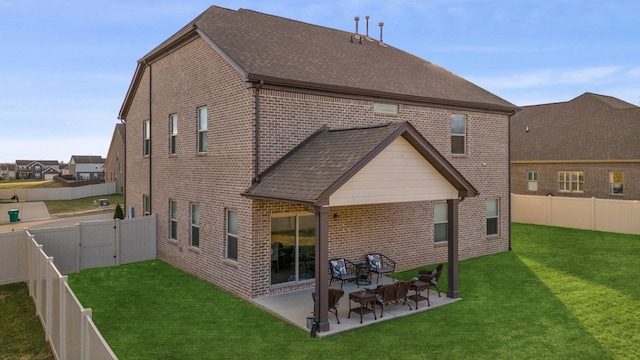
202, 130
438, 221
493, 216
146, 138
231, 235
571, 181
616, 181
455, 133
146, 205
532, 181
173, 134
173, 220
194, 233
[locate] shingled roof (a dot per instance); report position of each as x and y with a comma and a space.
284, 52
589, 127
317, 167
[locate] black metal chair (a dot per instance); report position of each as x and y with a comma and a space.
342, 269
380, 265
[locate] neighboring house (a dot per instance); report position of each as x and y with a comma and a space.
114, 164
34, 169
7, 171
267, 134
585, 147
86, 167
64, 170
50, 173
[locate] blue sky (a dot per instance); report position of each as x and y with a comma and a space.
67, 64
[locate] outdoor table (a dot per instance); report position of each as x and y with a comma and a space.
364, 298
418, 286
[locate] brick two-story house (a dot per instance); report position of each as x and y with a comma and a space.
35, 169
585, 147
248, 132
114, 163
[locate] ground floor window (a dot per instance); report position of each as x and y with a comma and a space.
493, 214
173, 221
616, 182
532, 181
146, 205
195, 225
571, 181
292, 248
232, 235
440, 222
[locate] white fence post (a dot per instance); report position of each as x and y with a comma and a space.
48, 298
117, 238
85, 350
62, 350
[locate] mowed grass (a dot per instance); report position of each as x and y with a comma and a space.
21, 333
28, 184
560, 294
73, 207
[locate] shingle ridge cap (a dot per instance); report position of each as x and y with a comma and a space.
377, 126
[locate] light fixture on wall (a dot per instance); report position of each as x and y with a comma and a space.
335, 216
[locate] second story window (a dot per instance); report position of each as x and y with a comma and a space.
202, 129
532, 181
458, 134
146, 138
616, 182
173, 134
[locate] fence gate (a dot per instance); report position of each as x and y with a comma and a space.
98, 247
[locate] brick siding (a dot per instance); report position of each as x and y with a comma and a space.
596, 179
193, 76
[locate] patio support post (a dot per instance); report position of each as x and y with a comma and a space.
321, 309
452, 230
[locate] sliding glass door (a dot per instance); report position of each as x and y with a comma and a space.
292, 248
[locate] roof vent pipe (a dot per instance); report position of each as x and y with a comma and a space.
381, 25
357, 18
367, 17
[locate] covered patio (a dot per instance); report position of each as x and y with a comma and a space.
296, 306
388, 163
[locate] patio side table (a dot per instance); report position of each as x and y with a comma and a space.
363, 274
364, 298
418, 286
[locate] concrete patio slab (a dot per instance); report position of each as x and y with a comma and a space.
296, 306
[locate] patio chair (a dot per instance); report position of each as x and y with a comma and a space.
334, 299
342, 269
431, 277
394, 292
380, 265
275, 254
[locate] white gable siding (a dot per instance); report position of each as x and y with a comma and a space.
399, 173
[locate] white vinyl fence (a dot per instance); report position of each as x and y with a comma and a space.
62, 193
24, 256
617, 216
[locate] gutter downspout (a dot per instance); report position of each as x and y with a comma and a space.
509, 167
124, 160
150, 140
256, 132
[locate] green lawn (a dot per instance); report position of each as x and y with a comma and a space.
560, 294
21, 333
73, 207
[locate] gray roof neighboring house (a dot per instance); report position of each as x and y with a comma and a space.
590, 127
87, 159
317, 167
41, 162
279, 52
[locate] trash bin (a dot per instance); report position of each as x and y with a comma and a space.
13, 215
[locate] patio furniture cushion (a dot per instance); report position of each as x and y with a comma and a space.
380, 264
338, 267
